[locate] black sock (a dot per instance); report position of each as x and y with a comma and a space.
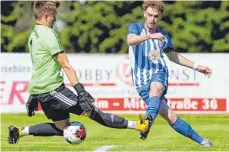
108, 120
45, 129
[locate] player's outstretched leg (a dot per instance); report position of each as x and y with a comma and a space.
180, 125
153, 100
43, 129
153, 106
186, 130
114, 121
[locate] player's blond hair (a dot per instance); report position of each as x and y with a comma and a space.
42, 8
153, 4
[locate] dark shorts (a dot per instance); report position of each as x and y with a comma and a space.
59, 103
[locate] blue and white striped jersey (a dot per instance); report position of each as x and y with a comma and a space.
142, 68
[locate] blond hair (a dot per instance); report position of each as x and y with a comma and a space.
153, 4
42, 8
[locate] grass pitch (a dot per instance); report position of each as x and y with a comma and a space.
161, 138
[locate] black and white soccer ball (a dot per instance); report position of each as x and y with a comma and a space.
75, 133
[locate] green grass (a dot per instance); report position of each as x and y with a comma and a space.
161, 138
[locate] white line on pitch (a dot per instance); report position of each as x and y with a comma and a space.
104, 148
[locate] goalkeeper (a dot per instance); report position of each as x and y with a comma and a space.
47, 86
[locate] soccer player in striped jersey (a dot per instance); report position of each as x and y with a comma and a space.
57, 101
147, 44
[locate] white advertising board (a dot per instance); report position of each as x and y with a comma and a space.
108, 79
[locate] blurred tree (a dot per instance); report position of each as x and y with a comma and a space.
198, 26
16, 19
101, 26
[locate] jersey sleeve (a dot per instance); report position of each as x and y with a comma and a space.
53, 43
133, 29
169, 45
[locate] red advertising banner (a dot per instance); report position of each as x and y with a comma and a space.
177, 104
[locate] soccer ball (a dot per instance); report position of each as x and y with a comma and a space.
75, 133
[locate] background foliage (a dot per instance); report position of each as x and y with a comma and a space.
101, 27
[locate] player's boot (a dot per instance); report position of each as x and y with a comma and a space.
143, 135
206, 143
143, 125
14, 134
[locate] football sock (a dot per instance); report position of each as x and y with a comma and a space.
108, 120
45, 129
186, 130
153, 106
24, 131
132, 124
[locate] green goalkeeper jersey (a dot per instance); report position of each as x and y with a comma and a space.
46, 71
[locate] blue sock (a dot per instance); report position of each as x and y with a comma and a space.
186, 130
153, 106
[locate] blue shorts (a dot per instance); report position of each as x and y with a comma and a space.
161, 77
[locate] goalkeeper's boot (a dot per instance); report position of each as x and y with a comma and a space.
14, 134
206, 143
143, 125
143, 135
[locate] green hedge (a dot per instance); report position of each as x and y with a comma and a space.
101, 27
